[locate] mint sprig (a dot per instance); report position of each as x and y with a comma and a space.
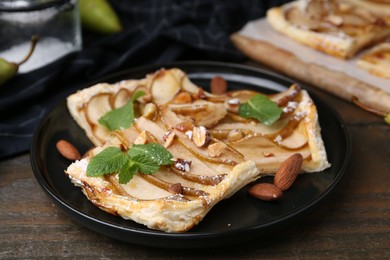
143, 158
260, 107
123, 117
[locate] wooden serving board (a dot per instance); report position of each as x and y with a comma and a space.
343, 78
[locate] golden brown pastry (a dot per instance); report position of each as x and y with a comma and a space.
337, 28
215, 150
378, 7
377, 60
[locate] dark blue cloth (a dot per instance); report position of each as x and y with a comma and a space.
154, 32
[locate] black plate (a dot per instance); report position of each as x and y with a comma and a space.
237, 219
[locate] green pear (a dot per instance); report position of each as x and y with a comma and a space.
387, 119
9, 69
98, 16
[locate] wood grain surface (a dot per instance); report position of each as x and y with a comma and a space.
354, 223
335, 82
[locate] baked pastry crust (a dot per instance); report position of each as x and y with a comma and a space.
340, 30
159, 210
378, 7
148, 199
377, 60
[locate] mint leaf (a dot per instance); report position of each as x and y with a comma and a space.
153, 151
127, 172
108, 161
260, 107
122, 117
137, 95
144, 164
145, 158
119, 118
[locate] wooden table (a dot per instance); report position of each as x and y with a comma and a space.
353, 223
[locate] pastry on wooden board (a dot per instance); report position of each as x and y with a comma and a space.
377, 60
378, 7
338, 28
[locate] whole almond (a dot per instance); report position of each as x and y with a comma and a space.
218, 85
265, 191
67, 150
288, 171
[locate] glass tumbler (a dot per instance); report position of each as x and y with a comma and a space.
56, 22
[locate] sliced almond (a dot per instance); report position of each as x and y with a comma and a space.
182, 164
234, 135
168, 137
200, 136
233, 104
216, 149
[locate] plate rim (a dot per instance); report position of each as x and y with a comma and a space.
306, 208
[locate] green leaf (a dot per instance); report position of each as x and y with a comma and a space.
145, 158
123, 117
153, 151
144, 164
137, 95
127, 172
108, 161
119, 118
260, 107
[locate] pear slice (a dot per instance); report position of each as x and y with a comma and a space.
164, 86
297, 139
188, 86
121, 98
202, 112
97, 107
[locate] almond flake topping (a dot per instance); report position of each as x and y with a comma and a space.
168, 137
200, 136
182, 165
